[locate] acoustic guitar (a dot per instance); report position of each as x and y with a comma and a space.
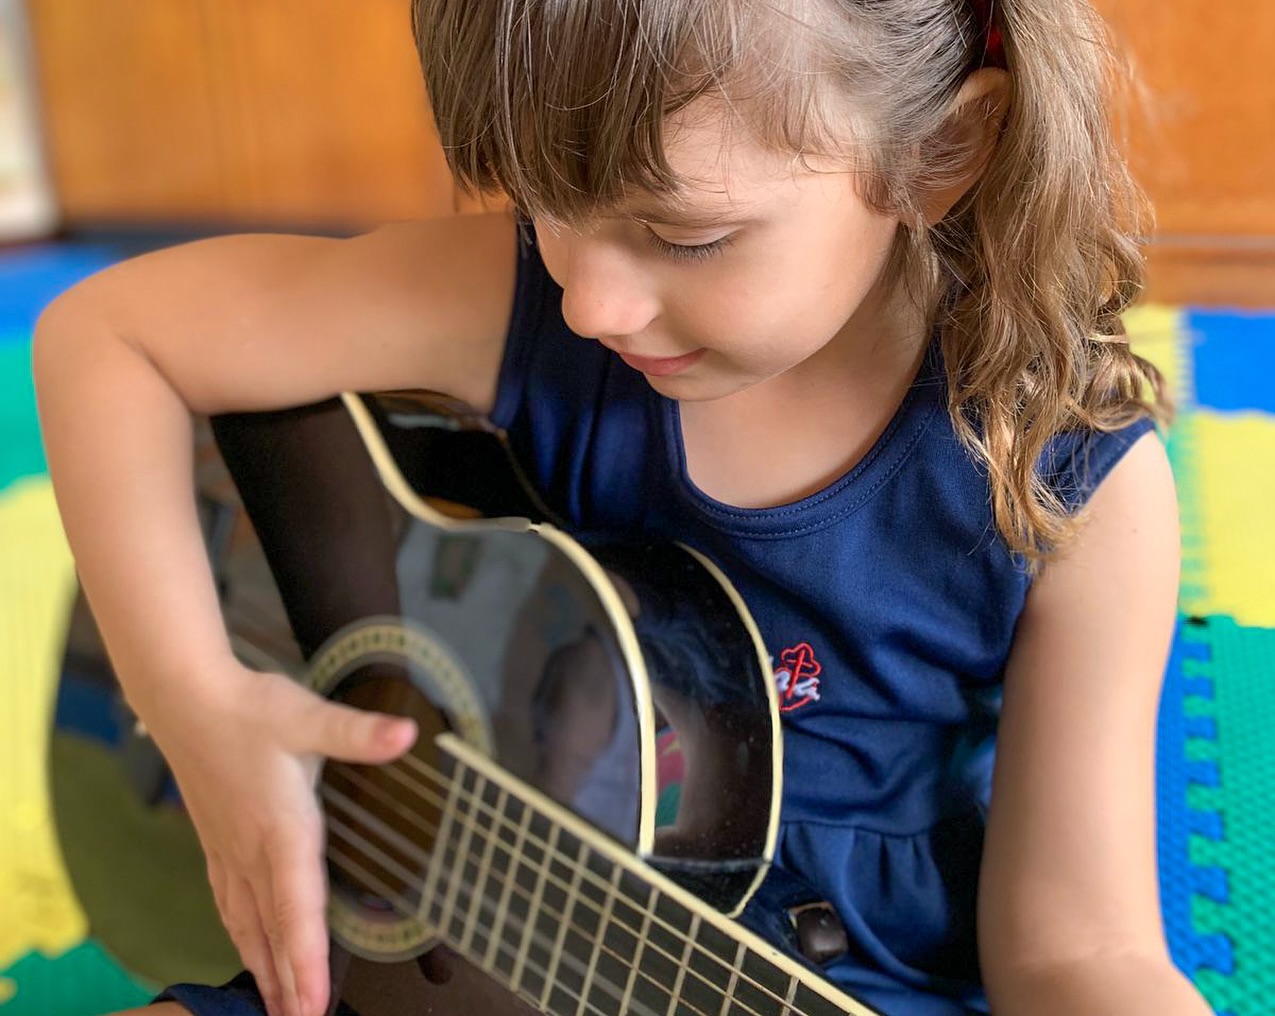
593, 799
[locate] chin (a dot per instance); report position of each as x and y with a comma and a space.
687, 388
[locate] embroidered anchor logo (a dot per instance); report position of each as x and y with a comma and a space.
797, 677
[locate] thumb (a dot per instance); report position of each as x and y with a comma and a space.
356, 735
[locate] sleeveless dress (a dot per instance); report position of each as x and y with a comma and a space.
888, 603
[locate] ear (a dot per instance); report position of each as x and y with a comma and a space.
972, 128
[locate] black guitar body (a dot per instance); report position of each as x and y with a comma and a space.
595, 789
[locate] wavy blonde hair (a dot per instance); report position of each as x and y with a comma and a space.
563, 106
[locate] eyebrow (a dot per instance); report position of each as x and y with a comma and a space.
676, 213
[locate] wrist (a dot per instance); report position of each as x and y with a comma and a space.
200, 683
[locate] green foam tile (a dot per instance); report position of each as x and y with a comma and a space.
21, 452
1242, 668
84, 981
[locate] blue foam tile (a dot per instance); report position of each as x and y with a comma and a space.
1197, 687
1211, 882
1183, 883
1207, 824
1234, 360
1203, 772
1191, 644
30, 277
1213, 952
1201, 727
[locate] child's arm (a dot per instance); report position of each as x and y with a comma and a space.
1069, 916
244, 323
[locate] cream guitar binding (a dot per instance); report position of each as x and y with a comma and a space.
594, 796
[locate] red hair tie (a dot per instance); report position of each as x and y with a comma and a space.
993, 40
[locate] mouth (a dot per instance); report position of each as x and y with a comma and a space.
661, 366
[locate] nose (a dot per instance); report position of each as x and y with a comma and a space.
604, 293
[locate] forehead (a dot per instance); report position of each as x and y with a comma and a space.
719, 164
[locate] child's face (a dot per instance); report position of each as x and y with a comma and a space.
788, 260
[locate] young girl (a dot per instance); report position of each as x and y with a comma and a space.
830, 289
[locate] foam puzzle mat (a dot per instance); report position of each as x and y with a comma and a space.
1216, 750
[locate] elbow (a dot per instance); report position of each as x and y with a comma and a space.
75, 349
66, 318
1130, 981
53, 340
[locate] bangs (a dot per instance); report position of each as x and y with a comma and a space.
563, 104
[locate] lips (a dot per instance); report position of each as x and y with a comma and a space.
661, 366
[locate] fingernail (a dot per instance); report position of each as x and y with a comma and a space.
390, 731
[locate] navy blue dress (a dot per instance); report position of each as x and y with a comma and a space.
888, 603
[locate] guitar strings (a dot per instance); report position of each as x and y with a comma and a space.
636, 1004
595, 879
529, 929
600, 980
470, 798
408, 909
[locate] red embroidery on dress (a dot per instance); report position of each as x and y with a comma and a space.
797, 677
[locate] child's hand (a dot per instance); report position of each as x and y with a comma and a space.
246, 758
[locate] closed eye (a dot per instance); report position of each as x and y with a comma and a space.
688, 252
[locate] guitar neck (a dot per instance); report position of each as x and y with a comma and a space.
576, 924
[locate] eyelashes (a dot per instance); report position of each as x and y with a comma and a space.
688, 252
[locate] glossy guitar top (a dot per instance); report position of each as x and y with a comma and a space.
595, 789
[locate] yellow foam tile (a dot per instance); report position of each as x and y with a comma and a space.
36, 582
1160, 334
1234, 491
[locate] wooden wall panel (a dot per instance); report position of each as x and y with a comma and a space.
1205, 149
329, 108
129, 111
311, 112
307, 112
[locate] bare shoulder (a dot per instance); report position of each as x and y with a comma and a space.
258, 321
1070, 862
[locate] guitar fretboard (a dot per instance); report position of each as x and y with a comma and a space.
567, 919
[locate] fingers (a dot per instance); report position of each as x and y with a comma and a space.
242, 919
297, 883
354, 735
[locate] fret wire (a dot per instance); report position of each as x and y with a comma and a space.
668, 927
675, 932
631, 981
428, 890
529, 929
462, 850
684, 964
573, 895
740, 953
607, 906
529, 926
790, 997
536, 905
506, 894
484, 873
600, 1012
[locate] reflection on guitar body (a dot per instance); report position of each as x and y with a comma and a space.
553, 683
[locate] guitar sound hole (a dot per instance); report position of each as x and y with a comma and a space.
382, 821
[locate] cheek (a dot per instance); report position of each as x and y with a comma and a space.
840, 272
